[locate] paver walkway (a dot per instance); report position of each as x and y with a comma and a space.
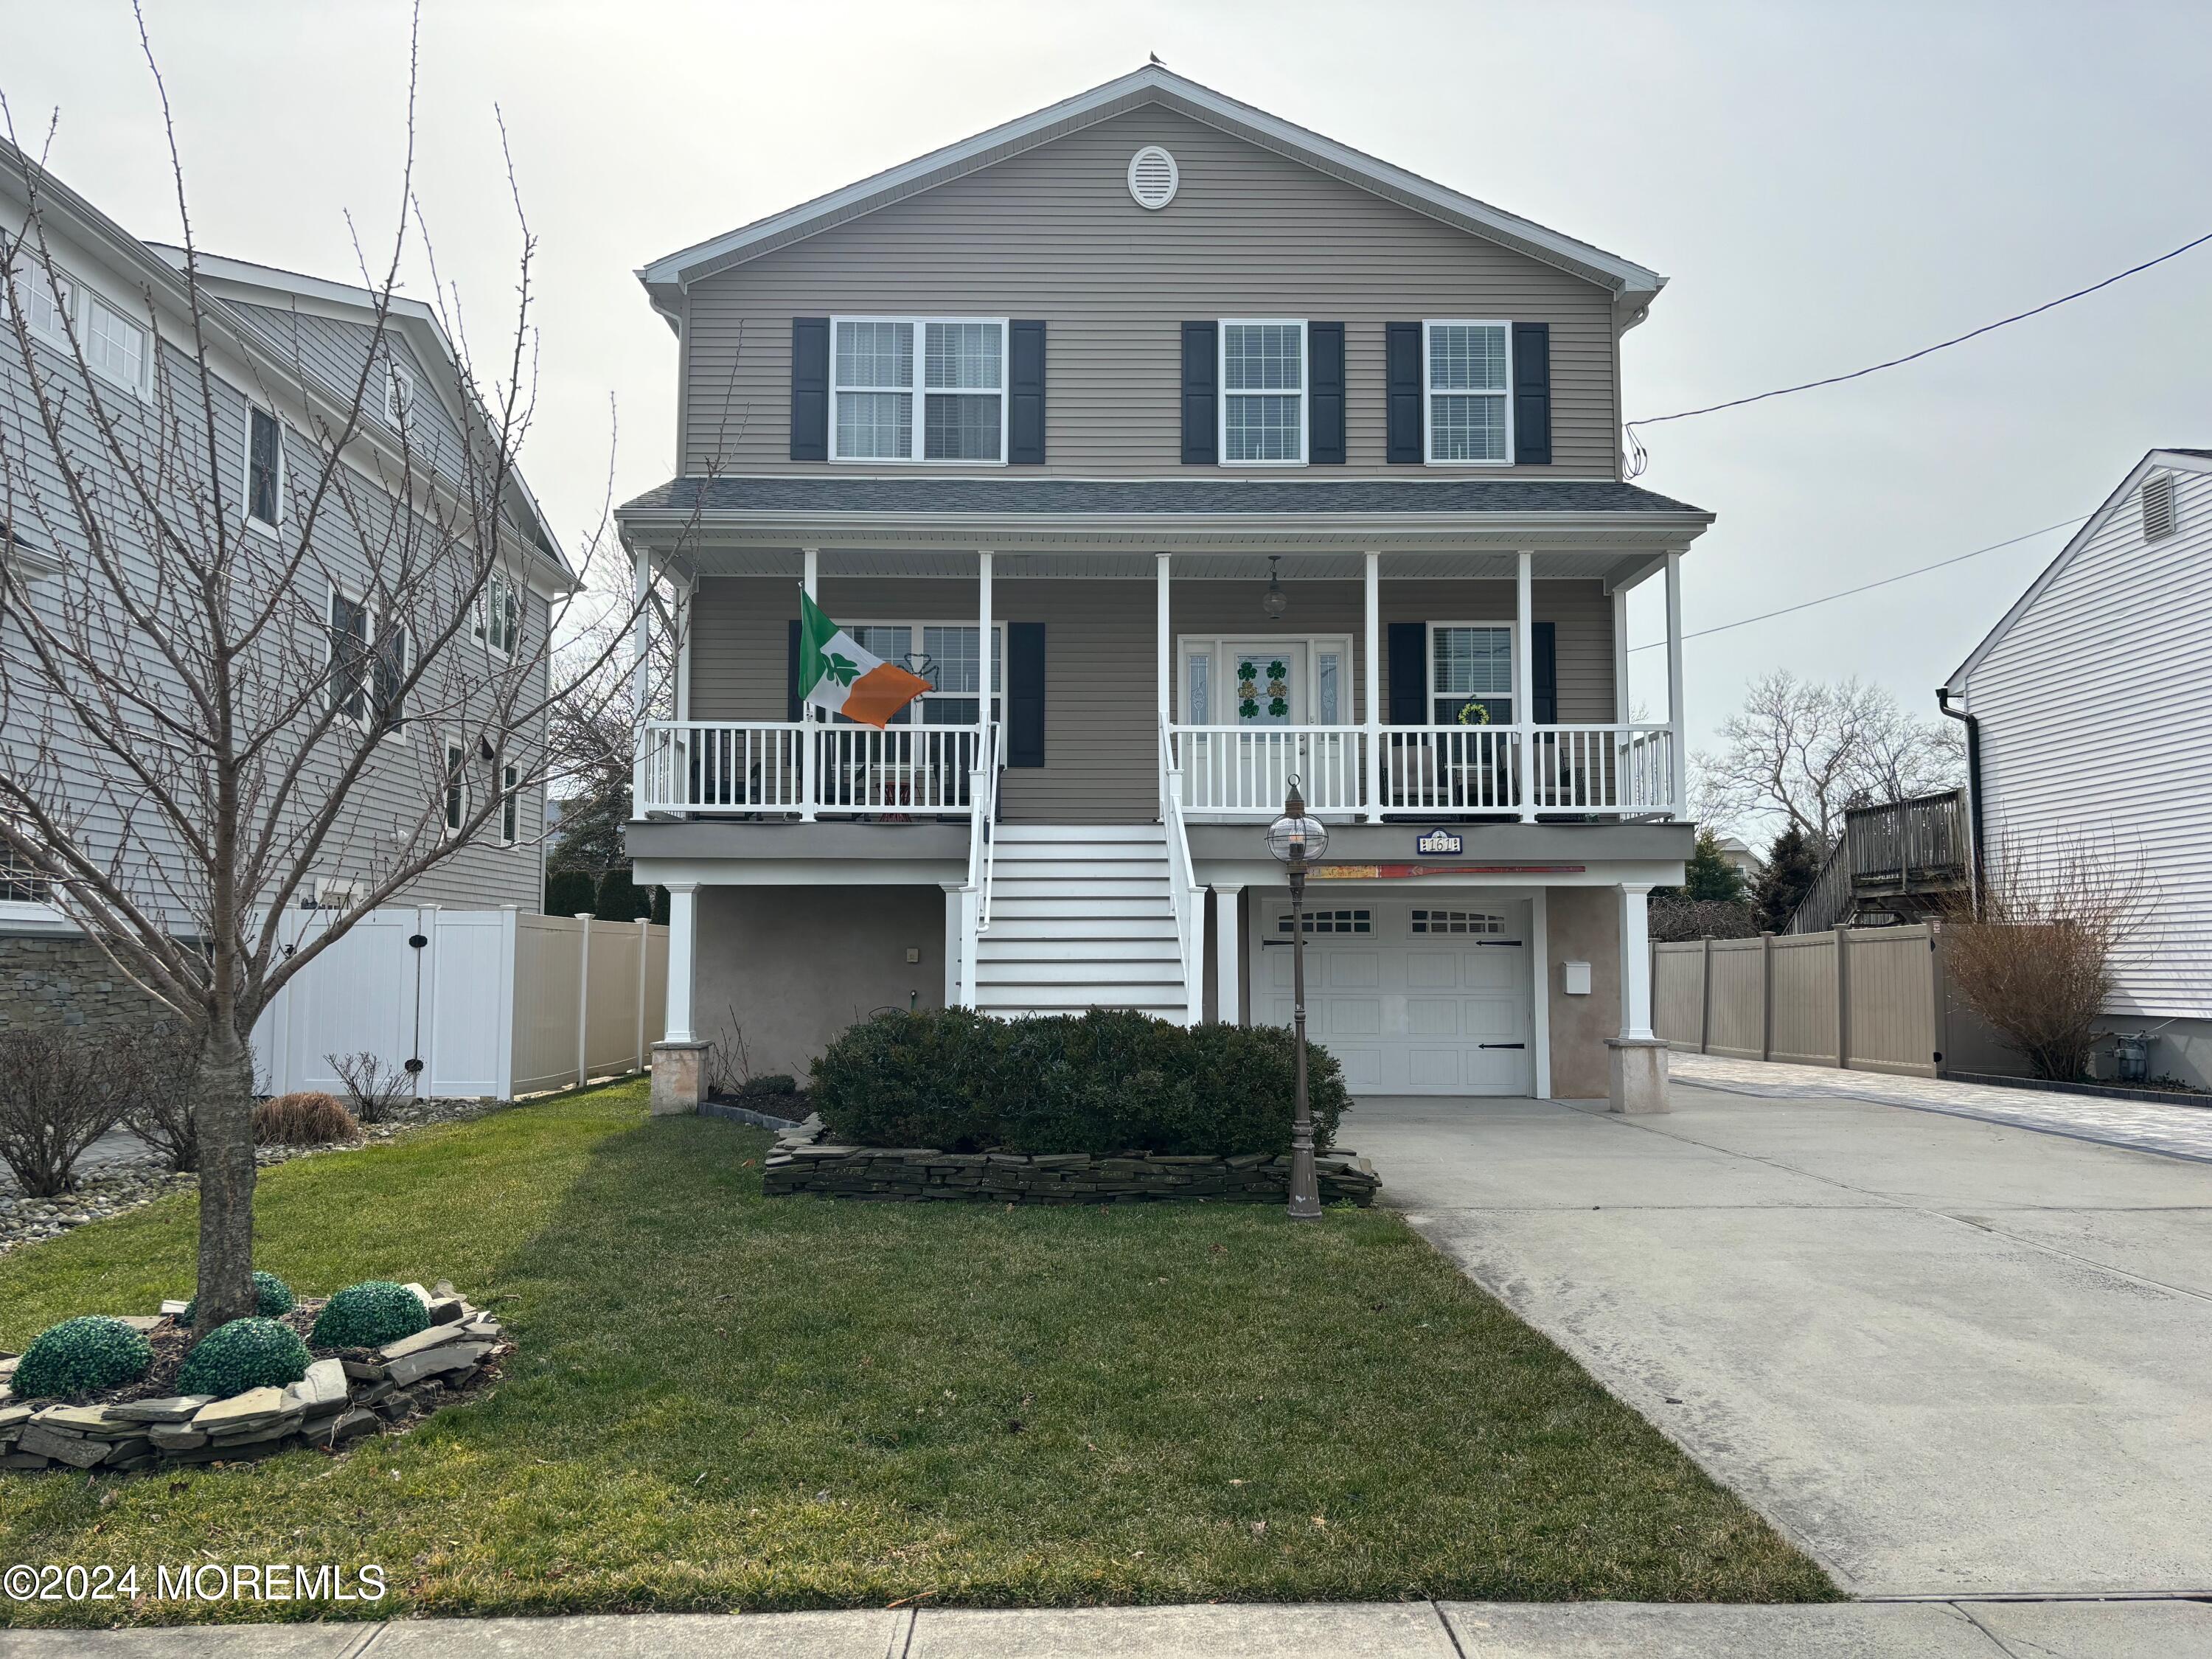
1412, 1630
2148, 1126
1949, 1357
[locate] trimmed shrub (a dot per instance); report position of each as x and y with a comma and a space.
247, 1353
308, 1118
775, 1083
81, 1355
273, 1299
369, 1315
1106, 1081
571, 892
621, 899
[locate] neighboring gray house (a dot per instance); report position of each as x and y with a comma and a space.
278, 339
2075, 743
1251, 456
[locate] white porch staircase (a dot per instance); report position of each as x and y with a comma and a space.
1081, 917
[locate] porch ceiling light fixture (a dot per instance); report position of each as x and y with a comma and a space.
1275, 601
1295, 838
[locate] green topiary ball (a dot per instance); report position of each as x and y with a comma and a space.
80, 1355
273, 1299
247, 1353
369, 1315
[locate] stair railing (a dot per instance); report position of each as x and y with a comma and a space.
975, 894
1183, 890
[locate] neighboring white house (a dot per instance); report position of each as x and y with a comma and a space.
1740, 858
2089, 714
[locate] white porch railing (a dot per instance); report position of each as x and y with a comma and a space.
1183, 890
1613, 771
760, 767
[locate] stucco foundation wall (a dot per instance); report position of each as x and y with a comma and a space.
58, 980
1583, 925
792, 967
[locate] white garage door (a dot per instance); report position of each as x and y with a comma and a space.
1427, 999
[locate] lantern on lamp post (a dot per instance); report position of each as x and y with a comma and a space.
1296, 839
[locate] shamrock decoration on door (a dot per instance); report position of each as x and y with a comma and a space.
1248, 691
1279, 690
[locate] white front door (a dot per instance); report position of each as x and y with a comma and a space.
1266, 681
1431, 996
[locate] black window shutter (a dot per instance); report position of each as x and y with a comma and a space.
1532, 394
1325, 398
1543, 671
1201, 370
1409, 673
1025, 694
1025, 394
1401, 361
810, 388
791, 674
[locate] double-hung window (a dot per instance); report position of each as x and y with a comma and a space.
1471, 673
265, 468
1263, 393
1468, 375
457, 786
368, 664
954, 367
499, 615
115, 346
946, 655
510, 807
46, 295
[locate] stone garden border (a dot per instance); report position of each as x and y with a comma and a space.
803, 1161
340, 1400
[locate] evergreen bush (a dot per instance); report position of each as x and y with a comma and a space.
273, 1299
369, 1315
571, 892
1106, 1081
247, 1353
81, 1355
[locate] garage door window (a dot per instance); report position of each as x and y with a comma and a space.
1332, 921
1456, 922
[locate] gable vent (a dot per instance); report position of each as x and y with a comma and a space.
1153, 177
2158, 507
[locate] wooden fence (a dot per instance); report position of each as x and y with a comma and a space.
1871, 999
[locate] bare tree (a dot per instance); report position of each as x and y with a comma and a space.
2036, 953
1804, 752
188, 737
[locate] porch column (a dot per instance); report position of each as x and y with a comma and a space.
1229, 952
1621, 703
956, 944
1166, 676
1371, 646
983, 636
640, 681
679, 1060
810, 784
1524, 680
686, 592
1674, 756
1638, 1068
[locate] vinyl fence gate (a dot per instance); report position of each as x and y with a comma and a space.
484, 1003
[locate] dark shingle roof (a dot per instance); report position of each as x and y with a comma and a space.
827, 493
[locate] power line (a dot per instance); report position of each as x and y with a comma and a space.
1638, 457
1866, 587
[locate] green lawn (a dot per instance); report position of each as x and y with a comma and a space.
721, 1401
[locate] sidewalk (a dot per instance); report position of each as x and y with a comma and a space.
1415, 1630
2148, 1126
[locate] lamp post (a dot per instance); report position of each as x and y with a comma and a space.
1295, 838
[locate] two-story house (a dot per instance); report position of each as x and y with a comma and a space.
1184, 452
106, 314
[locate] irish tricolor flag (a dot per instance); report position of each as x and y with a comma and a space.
836, 674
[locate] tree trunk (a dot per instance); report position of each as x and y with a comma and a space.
224, 1109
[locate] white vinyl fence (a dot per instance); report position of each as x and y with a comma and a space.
470, 1002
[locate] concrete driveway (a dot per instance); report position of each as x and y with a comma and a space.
1950, 1358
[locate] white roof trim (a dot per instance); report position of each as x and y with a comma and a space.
1149, 85
2164, 460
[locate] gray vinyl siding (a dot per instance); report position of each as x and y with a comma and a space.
330, 349
1053, 233
2095, 738
1102, 663
395, 786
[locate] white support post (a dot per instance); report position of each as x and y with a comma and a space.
641, 682
809, 784
1540, 976
1621, 706
1635, 963
1229, 955
584, 1000
1372, 679
684, 594
1524, 679
1166, 677
983, 623
683, 950
644, 964
969, 943
1674, 757
1194, 980
956, 945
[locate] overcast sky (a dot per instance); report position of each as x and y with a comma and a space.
1826, 186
